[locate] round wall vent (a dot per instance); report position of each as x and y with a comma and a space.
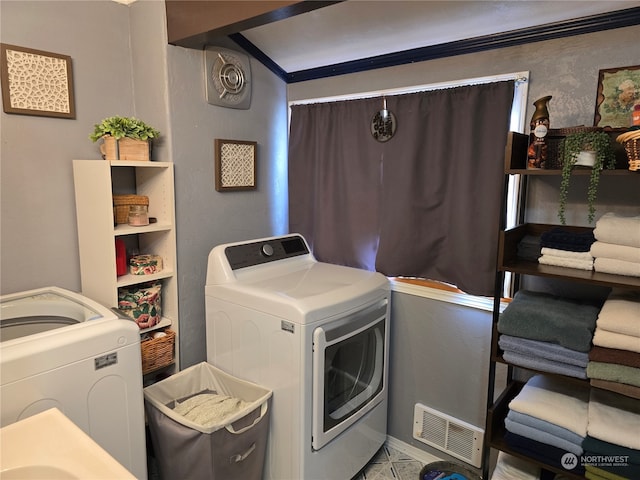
228, 78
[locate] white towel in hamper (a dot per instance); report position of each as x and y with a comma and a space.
208, 409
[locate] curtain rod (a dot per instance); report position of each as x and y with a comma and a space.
519, 77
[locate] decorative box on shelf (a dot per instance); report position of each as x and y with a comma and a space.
142, 303
125, 149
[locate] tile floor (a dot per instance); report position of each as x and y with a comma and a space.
387, 464
390, 464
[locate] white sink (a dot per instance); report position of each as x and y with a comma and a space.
36, 471
50, 446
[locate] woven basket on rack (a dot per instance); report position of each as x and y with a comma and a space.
631, 142
554, 139
121, 204
157, 352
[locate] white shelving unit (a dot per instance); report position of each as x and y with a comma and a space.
95, 183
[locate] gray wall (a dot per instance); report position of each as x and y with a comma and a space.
439, 356
206, 218
122, 65
38, 230
440, 352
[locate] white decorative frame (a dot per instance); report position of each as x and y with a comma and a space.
235, 165
35, 82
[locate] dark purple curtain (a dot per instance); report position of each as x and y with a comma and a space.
425, 203
334, 181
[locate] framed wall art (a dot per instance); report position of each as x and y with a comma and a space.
618, 92
35, 82
235, 165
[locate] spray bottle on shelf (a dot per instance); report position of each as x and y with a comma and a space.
537, 153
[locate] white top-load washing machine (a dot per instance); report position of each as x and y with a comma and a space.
314, 333
61, 349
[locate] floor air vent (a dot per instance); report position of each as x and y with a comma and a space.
453, 436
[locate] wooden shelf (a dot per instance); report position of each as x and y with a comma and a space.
575, 171
508, 260
516, 160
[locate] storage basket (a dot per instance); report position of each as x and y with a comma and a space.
631, 142
554, 140
121, 204
157, 352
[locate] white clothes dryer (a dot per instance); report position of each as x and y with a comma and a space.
314, 333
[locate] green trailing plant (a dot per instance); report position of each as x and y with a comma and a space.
120, 127
573, 144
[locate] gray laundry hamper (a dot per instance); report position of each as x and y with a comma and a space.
232, 449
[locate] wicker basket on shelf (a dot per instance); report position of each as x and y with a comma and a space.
554, 139
121, 204
157, 352
631, 142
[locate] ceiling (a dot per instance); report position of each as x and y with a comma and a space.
303, 40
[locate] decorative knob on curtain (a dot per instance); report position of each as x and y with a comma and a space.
383, 123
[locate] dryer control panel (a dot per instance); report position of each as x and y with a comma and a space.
265, 251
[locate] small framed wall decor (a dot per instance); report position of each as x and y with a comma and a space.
35, 82
618, 92
235, 165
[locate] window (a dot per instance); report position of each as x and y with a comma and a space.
518, 111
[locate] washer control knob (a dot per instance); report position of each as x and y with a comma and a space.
267, 250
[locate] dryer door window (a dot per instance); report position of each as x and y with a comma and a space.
349, 366
353, 374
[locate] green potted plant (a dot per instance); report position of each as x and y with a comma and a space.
590, 149
124, 138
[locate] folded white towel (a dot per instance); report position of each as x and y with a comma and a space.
619, 230
618, 267
509, 467
618, 252
607, 339
614, 418
620, 313
579, 264
566, 253
556, 401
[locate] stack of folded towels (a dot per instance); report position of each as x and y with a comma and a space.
547, 419
544, 332
612, 444
529, 248
509, 467
617, 246
614, 360
563, 248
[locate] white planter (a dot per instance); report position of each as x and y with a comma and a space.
586, 159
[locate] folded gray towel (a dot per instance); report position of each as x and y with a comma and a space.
546, 350
545, 317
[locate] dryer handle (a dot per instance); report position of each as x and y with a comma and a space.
263, 411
